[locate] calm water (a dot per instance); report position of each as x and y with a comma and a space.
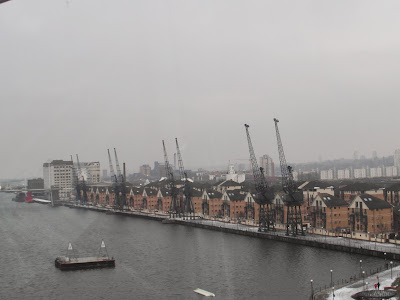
153, 260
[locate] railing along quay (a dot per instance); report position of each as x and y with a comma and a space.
370, 248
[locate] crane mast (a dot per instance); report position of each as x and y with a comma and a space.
114, 179
264, 194
121, 197
174, 209
76, 181
188, 208
293, 198
82, 183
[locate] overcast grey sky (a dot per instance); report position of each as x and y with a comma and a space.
90, 75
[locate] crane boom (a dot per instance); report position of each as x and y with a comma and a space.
180, 162
288, 184
170, 176
293, 198
120, 188
264, 194
174, 209
81, 183
260, 182
112, 173
188, 208
76, 180
119, 174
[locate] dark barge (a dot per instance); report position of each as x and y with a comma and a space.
71, 262
65, 263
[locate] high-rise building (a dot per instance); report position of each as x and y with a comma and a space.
397, 160
59, 174
145, 170
268, 165
105, 175
35, 184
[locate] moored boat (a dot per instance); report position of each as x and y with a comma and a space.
29, 198
79, 263
69, 262
20, 197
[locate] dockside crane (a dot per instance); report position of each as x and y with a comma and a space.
174, 209
75, 179
264, 193
114, 179
293, 198
121, 183
82, 183
188, 208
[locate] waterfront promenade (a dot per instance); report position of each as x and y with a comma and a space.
385, 279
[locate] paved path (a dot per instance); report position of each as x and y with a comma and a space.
385, 279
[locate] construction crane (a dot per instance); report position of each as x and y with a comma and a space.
114, 179
75, 180
82, 184
121, 183
174, 209
293, 198
264, 193
188, 208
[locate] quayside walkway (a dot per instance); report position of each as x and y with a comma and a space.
371, 248
345, 292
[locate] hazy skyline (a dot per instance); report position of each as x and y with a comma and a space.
85, 76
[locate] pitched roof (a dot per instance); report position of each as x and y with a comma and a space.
151, 192
212, 194
331, 201
196, 193
137, 190
394, 187
229, 183
315, 183
359, 186
374, 202
236, 195
165, 192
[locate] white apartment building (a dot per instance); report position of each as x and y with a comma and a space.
58, 174
327, 174
375, 172
391, 171
344, 174
360, 173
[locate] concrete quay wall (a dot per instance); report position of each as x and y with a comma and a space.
300, 240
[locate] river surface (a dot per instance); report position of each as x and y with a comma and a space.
153, 260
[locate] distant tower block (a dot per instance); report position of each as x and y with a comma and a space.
268, 165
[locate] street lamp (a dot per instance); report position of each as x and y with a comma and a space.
333, 292
366, 285
391, 269
385, 260
331, 278
363, 275
360, 267
312, 290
